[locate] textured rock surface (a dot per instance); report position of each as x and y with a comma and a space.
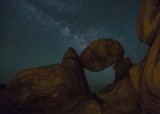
90, 107
122, 67
52, 89
101, 54
148, 21
119, 99
140, 91
145, 76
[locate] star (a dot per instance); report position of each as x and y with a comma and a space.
39, 32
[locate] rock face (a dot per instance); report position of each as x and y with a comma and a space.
101, 54
145, 76
119, 98
148, 23
51, 89
122, 67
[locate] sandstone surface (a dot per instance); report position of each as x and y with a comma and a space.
101, 53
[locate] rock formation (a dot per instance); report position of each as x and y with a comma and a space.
101, 54
140, 92
122, 67
145, 76
63, 89
148, 23
56, 89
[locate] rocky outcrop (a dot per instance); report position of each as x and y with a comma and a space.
145, 75
146, 81
139, 92
101, 54
63, 89
51, 89
148, 22
119, 98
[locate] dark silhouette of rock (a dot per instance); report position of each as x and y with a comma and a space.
51, 89
122, 67
101, 54
2, 88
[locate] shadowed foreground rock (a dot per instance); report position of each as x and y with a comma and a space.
54, 89
101, 53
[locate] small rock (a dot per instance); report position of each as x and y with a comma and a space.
122, 67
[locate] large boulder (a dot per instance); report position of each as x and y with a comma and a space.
146, 80
101, 54
54, 89
145, 76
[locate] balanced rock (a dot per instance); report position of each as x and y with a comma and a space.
139, 93
54, 89
101, 54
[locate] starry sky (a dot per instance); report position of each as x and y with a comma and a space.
37, 33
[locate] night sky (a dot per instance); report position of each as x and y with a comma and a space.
37, 33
